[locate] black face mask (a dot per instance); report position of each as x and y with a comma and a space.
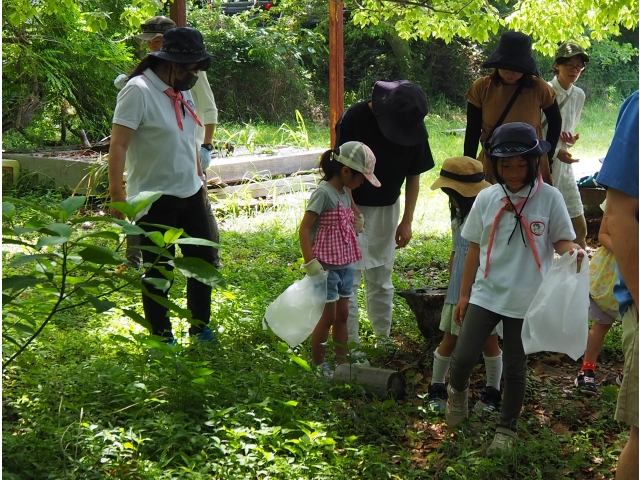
187, 83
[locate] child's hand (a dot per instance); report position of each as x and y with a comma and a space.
460, 311
581, 252
313, 267
358, 223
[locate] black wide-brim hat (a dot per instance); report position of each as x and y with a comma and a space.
513, 53
516, 138
400, 108
182, 45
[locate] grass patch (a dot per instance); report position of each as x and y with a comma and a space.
92, 398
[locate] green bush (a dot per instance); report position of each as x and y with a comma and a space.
262, 64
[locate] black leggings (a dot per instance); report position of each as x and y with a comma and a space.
187, 213
477, 326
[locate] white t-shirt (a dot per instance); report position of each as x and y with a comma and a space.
563, 177
514, 277
206, 108
160, 157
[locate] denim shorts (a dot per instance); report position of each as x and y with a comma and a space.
340, 284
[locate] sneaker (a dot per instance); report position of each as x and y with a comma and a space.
619, 379
489, 401
457, 408
437, 397
121, 269
206, 336
586, 382
502, 443
358, 357
326, 371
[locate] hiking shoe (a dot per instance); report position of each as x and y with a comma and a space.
489, 401
437, 397
586, 382
619, 379
502, 443
457, 408
326, 371
206, 336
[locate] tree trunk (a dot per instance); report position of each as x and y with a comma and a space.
402, 52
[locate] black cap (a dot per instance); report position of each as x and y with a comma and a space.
182, 45
400, 108
513, 53
516, 138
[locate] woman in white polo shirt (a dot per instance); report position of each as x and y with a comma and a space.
154, 135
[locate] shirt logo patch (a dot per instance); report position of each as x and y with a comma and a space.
537, 228
191, 104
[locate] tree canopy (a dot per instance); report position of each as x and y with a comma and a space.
549, 22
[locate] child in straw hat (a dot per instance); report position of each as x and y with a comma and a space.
461, 179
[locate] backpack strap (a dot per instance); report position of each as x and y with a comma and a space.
506, 110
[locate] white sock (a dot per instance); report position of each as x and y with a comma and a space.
493, 366
440, 367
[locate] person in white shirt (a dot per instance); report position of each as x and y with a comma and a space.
153, 135
513, 228
207, 111
569, 63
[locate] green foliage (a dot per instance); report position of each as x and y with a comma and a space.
59, 62
262, 65
96, 398
549, 23
59, 267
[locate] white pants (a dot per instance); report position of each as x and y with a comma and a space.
565, 181
378, 300
377, 243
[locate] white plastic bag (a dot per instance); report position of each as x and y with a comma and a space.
557, 319
295, 313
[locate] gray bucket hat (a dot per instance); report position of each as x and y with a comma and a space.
155, 27
516, 138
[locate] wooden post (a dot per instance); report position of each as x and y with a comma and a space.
336, 65
178, 12
378, 382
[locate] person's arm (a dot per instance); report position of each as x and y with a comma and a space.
304, 233
554, 125
120, 139
563, 246
621, 214
451, 257
354, 207
209, 132
471, 264
603, 235
473, 130
412, 189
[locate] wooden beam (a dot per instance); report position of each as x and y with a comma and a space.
336, 65
270, 187
231, 169
178, 12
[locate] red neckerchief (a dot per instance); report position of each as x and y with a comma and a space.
523, 223
176, 98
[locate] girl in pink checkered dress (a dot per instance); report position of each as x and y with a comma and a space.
328, 240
